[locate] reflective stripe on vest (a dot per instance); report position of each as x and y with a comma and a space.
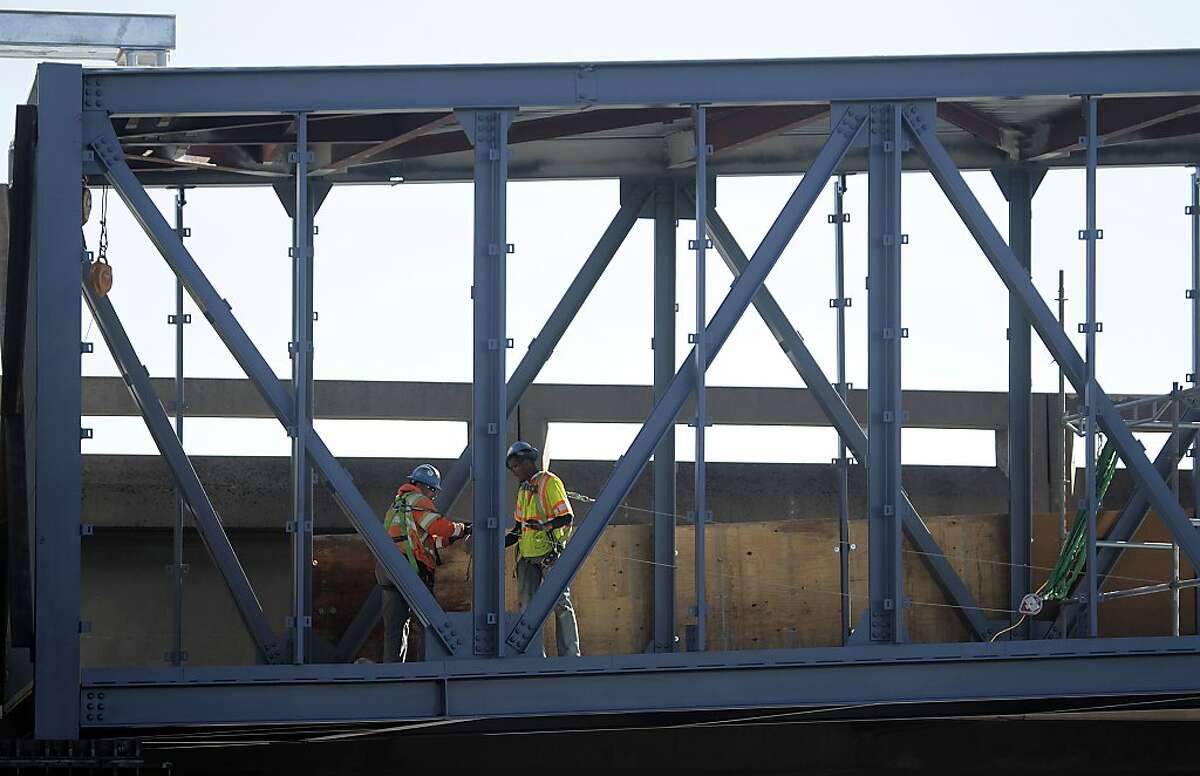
411, 533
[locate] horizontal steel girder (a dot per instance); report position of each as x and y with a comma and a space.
99, 133
757, 679
265, 90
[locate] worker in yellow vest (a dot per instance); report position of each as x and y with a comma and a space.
543, 524
418, 531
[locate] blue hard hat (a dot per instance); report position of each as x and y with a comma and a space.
428, 475
522, 450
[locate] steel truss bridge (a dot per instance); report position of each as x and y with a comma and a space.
668, 130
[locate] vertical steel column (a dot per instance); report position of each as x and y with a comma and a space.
883, 389
1089, 328
1059, 427
1019, 185
56, 401
842, 464
177, 655
301, 355
489, 132
1193, 211
700, 352
1175, 456
664, 454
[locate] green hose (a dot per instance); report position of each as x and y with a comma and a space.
1072, 557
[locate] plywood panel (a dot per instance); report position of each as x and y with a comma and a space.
770, 584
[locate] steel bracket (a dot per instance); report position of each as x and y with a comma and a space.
833, 219
844, 301
1084, 328
87, 347
173, 319
1085, 234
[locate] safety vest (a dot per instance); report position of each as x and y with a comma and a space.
540, 499
407, 531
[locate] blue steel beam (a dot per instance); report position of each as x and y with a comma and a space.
842, 463
833, 405
177, 568
884, 399
266, 90
55, 401
301, 351
663, 344
488, 132
753, 679
662, 417
1019, 184
169, 445
1009, 269
700, 362
219, 314
1090, 387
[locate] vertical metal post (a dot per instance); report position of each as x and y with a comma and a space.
699, 116
883, 391
664, 454
1059, 427
1090, 236
301, 354
177, 569
842, 464
489, 132
1019, 183
55, 355
1193, 211
1175, 456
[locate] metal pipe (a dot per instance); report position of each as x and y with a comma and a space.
1063, 432
842, 464
700, 355
301, 523
1133, 592
1137, 545
1090, 398
176, 654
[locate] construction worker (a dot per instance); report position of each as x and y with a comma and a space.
418, 531
542, 526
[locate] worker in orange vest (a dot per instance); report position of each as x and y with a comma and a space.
418, 531
543, 519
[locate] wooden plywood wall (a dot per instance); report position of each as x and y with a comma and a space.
769, 584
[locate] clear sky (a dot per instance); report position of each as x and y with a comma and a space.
378, 246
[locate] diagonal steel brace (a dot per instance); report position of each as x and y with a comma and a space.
99, 133
922, 128
847, 426
208, 523
843, 132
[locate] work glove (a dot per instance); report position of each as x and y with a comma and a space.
510, 539
466, 531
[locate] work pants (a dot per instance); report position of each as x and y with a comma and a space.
397, 615
530, 574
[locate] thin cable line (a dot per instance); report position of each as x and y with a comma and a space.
976, 558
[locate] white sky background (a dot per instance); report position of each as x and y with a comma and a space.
379, 246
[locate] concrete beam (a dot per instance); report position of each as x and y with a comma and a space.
553, 403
